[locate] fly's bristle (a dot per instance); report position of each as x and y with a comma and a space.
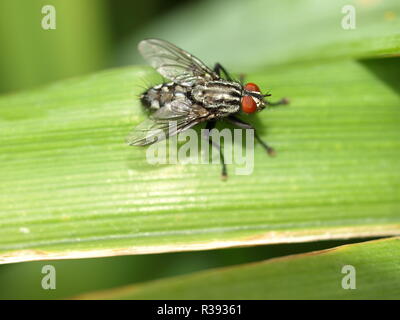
146, 84
143, 88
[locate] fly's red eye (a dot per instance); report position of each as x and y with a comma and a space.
252, 87
248, 104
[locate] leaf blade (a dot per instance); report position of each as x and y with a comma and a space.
72, 188
314, 275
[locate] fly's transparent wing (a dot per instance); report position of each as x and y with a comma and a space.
167, 121
174, 63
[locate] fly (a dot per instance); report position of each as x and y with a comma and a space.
195, 94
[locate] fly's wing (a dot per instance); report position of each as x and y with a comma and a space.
167, 121
174, 63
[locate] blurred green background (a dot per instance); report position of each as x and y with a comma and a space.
87, 37
93, 35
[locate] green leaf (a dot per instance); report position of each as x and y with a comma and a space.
244, 35
315, 275
72, 188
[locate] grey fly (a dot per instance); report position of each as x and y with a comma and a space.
195, 94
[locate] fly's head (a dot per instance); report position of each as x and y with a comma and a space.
252, 99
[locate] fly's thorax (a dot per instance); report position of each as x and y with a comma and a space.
162, 94
221, 95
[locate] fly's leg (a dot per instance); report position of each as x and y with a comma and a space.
218, 68
278, 103
211, 125
244, 125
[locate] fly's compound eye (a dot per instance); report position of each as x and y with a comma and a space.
248, 104
252, 87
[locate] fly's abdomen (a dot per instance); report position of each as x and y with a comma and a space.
160, 95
